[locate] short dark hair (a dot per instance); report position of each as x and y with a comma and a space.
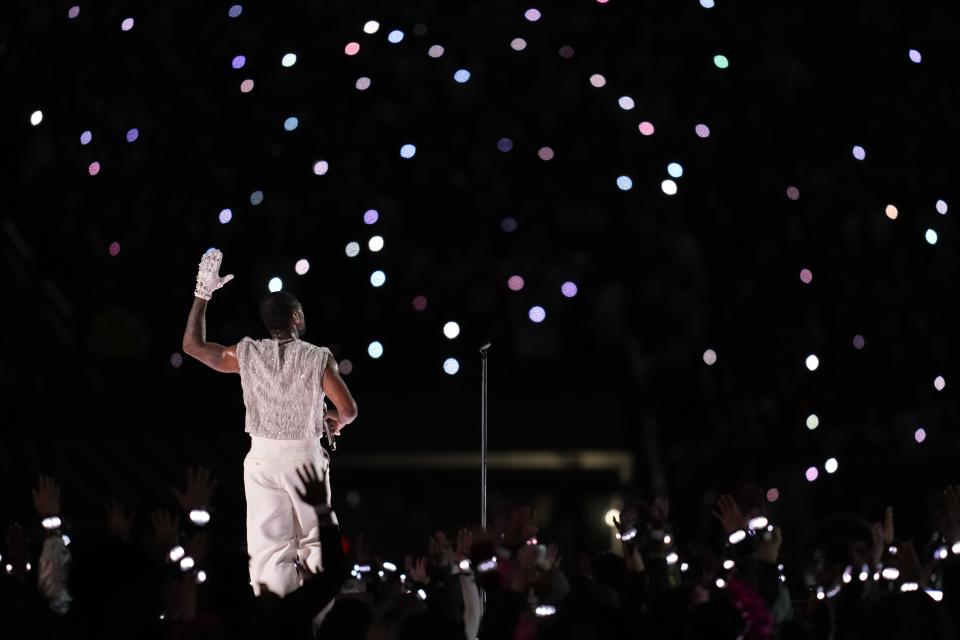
277, 309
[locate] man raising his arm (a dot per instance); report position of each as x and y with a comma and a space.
285, 381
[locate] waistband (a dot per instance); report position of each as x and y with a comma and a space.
258, 443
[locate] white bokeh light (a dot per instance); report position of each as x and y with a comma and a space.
353, 249
376, 243
451, 366
813, 421
375, 350
275, 284
36, 117
669, 187
371, 27
378, 278
288, 60
812, 362
451, 330
302, 266
831, 465
709, 357
930, 236
939, 383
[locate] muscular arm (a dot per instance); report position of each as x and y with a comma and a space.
216, 356
336, 389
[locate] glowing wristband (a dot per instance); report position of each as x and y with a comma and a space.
629, 535
757, 523
890, 573
737, 536
52, 522
199, 517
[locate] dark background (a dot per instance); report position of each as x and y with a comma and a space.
89, 391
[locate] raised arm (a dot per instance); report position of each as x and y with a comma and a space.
336, 389
216, 356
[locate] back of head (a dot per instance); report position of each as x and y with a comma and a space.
276, 310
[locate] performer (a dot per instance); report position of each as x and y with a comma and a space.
285, 381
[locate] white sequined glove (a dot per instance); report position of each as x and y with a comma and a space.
208, 277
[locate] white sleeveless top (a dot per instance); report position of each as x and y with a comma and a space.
282, 388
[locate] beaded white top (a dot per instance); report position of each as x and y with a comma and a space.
282, 388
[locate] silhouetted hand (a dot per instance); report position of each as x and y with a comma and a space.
199, 491
464, 542
46, 497
524, 568
729, 515
911, 569
314, 490
165, 529
881, 534
417, 569
439, 550
119, 522
552, 559
658, 512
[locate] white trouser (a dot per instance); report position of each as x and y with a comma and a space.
281, 528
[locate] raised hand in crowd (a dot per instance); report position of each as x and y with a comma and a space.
166, 529
464, 543
417, 569
46, 497
439, 550
881, 534
552, 559
314, 491
657, 512
199, 490
729, 514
